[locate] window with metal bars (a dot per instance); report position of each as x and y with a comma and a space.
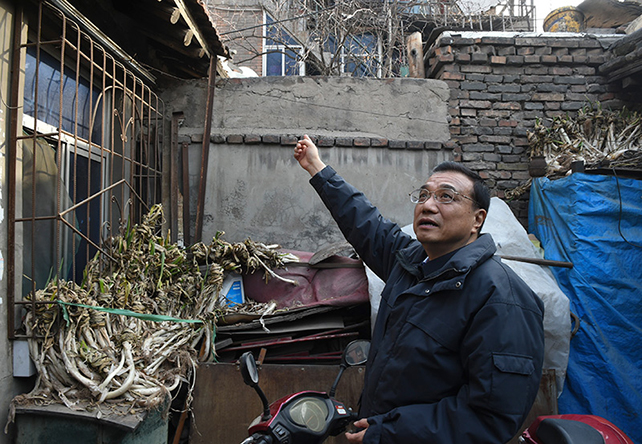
85, 158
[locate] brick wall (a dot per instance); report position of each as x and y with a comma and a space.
240, 30
501, 84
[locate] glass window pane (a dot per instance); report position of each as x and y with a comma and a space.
276, 34
48, 82
274, 62
291, 63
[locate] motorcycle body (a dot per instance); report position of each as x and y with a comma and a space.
306, 417
573, 429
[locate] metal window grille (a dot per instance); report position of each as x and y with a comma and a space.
85, 157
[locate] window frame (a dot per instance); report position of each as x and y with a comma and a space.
282, 49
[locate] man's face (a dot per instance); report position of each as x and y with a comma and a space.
445, 227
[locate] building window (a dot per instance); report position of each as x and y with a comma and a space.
359, 55
282, 56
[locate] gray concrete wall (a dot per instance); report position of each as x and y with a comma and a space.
404, 109
384, 136
264, 194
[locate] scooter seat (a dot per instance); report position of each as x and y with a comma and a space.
565, 431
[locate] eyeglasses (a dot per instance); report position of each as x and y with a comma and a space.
441, 195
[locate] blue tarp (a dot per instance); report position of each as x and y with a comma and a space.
595, 222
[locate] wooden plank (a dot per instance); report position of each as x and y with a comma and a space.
415, 56
224, 406
111, 415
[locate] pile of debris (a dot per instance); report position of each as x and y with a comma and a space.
143, 317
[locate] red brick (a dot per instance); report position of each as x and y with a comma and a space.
448, 75
444, 50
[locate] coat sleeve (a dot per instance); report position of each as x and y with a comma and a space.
375, 238
502, 353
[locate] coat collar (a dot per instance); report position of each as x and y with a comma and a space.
462, 261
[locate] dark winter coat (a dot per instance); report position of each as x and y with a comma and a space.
456, 356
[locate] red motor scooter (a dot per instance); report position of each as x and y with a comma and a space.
573, 429
306, 417
309, 417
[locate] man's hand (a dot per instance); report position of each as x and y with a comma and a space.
307, 154
357, 437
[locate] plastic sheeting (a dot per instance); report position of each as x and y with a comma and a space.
511, 239
595, 223
339, 287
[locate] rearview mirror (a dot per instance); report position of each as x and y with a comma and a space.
356, 353
248, 369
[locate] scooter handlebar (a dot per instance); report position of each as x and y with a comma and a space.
258, 438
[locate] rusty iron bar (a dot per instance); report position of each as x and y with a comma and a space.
211, 86
537, 261
173, 176
186, 207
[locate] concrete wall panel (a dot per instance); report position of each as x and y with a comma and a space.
264, 194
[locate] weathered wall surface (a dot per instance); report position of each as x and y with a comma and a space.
502, 83
262, 193
382, 135
395, 109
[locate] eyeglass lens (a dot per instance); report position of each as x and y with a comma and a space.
440, 195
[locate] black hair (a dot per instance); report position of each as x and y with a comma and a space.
481, 193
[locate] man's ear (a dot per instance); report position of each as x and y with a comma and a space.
480, 217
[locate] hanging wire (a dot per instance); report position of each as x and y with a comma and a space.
619, 220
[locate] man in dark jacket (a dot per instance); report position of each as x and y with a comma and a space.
458, 344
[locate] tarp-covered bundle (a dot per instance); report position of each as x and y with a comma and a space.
595, 222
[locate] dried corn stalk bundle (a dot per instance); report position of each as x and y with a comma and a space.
598, 137
129, 333
601, 138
